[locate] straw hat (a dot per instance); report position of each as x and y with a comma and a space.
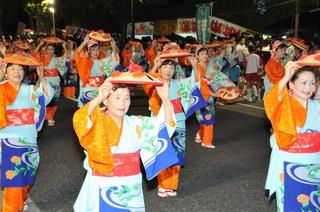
21, 58
310, 60
100, 36
52, 39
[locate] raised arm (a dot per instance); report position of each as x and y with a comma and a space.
194, 64
115, 49
83, 44
163, 93
156, 65
104, 90
39, 46
43, 80
290, 68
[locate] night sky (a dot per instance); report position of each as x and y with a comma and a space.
112, 15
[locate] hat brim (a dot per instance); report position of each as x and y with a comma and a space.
175, 55
101, 37
299, 45
22, 45
26, 62
229, 94
215, 45
127, 78
310, 60
52, 40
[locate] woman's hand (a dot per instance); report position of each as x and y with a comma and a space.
86, 39
113, 43
40, 72
2, 70
290, 69
157, 61
163, 92
193, 61
105, 90
3, 49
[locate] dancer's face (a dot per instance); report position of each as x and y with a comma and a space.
94, 52
50, 51
167, 71
304, 86
203, 56
15, 74
119, 102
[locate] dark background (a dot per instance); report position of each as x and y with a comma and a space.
113, 15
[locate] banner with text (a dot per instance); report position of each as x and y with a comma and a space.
203, 15
142, 28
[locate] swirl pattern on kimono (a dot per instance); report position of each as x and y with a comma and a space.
315, 199
309, 176
56, 90
31, 157
301, 174
88, 96
159, 145
120, 196
178, 136
193, 99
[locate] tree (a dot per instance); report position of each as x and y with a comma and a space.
38, 12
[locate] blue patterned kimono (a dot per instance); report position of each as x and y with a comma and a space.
145, 138
101, 68
186, 98
19, 151
295, 176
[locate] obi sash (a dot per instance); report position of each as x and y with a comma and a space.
307, 142
18, 117
94, 82
51, 72
125, 164
177, 106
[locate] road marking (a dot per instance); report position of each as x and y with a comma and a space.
256, 107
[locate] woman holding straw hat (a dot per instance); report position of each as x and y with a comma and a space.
22, 111
294, 169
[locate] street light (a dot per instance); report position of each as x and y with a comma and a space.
52, 10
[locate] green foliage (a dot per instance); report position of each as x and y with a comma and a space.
36, 7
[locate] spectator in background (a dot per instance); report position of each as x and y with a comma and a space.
253, 63
242, 51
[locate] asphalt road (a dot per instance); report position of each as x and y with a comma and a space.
228, 178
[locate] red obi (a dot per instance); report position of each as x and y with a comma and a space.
177, 107
125, 164
308, 142
51, 72
18, 117
94, 82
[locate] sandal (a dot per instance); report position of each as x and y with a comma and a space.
50, 123
166, 192
197, 139
210, 146
171, 193
162, 192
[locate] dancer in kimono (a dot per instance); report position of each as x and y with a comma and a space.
151, 52
274, 69
205, 116
186, 99
114, 143
22, 112
92, 70
54, 67
70, 81
295, 158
